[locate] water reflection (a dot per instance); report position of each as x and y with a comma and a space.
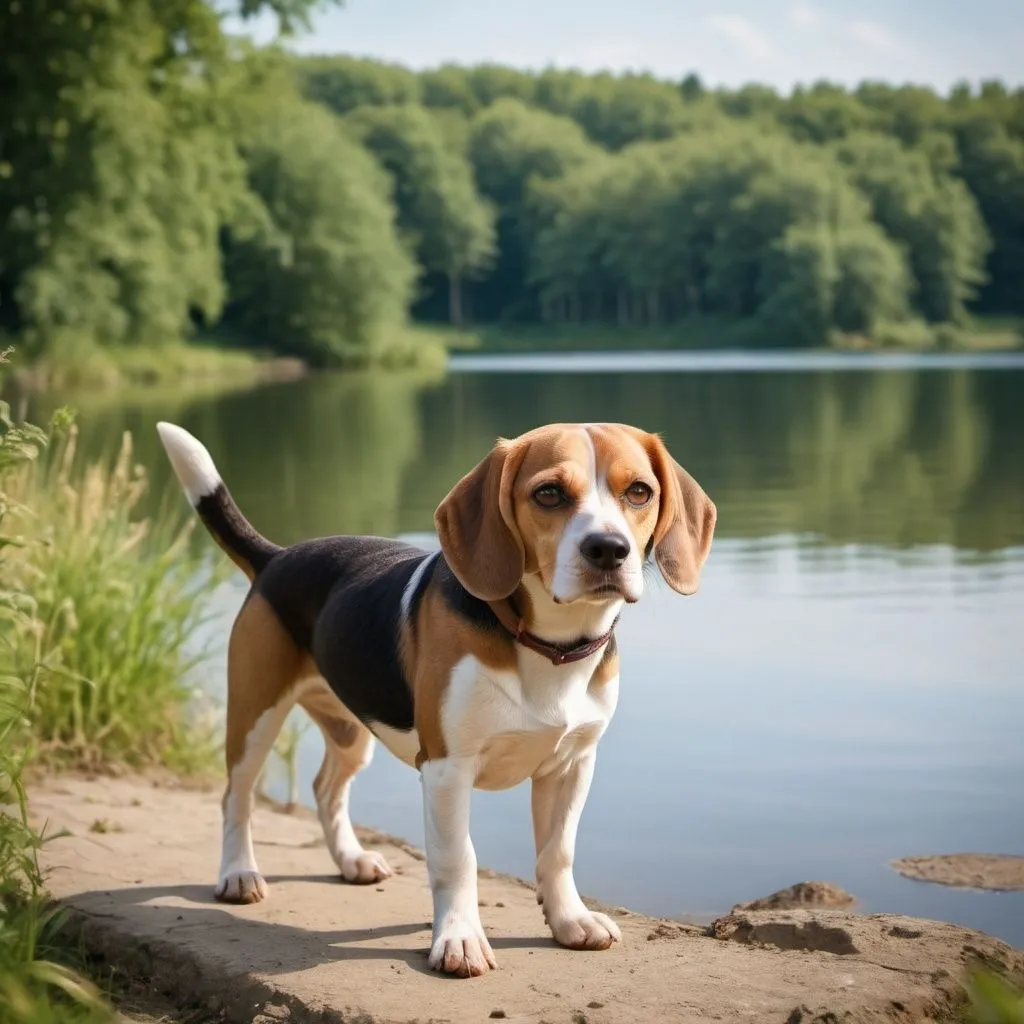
847, 687
898, 458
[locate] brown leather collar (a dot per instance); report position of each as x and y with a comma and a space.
557, 654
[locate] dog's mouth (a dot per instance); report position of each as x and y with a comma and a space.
599, 587
608, 589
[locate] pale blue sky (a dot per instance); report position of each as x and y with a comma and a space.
725, 41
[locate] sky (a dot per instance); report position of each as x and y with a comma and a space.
731, 43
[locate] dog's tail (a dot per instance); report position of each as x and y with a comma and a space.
206, 493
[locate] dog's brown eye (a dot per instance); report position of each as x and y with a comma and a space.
639, 494
549, 496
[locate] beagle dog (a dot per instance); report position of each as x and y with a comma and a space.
483, 664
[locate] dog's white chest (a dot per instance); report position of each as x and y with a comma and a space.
514, 727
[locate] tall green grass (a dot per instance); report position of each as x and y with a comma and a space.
37, 983
994, 999
103, 606
98, 605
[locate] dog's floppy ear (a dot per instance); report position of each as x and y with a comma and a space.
477, 528
686, 521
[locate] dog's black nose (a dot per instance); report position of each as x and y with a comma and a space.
605, 550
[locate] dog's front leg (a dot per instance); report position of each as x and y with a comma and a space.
459, 945
558, 797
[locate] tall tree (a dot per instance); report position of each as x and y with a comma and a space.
439, 209
992, 167
323, 273
117, 168
511, 146
345, 83
932, 214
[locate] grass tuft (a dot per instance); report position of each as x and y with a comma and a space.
38, 981
99, 607
994, 999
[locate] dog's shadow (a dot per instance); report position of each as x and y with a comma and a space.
270, 947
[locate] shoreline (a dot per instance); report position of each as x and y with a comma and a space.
531, 348
729, 360
139, 890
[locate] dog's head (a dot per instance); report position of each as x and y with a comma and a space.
580, 506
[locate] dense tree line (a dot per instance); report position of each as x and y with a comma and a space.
157, 176
767, 190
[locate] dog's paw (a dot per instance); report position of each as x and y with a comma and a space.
586, 931
462, 949
365, 868
241, 887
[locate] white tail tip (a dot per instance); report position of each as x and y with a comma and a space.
192, 463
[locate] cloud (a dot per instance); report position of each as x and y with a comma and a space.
874, 36
744, 34
803, 15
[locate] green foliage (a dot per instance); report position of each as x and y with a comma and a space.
344, 83
735, 222
512, 144
994, 999
439, 209
991, 164
122, 174
158, 177
97, 608
323, 274
512, 148
931, 215
37, 985
98, 154
291, 14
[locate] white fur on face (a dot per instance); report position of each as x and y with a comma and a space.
598, 512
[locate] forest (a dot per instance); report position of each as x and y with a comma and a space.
161, 179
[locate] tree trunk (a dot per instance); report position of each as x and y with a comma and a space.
653, 308
455, 299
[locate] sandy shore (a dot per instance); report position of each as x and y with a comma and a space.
138, 868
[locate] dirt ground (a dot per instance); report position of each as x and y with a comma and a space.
138, 867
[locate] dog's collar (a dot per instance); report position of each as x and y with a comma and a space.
557, 654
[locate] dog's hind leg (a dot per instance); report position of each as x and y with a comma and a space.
348, 747
264, 671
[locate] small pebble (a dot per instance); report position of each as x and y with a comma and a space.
497, 1015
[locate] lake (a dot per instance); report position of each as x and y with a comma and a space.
846, 688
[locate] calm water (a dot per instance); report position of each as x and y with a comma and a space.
847, 687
